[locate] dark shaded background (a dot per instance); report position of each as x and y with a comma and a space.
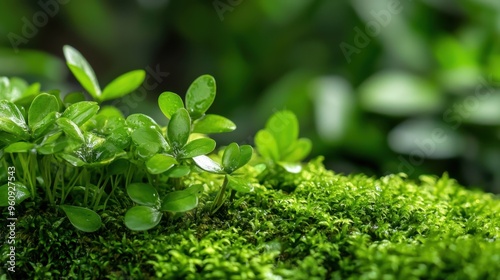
379, 86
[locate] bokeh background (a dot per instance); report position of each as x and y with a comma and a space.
380, 86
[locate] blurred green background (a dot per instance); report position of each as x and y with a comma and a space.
379, 86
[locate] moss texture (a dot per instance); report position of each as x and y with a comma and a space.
329, 227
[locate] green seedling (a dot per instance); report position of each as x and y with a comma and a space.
233, 158
84, 73
74, 155
279, 145
148, 213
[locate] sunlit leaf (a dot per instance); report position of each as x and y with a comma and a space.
197, 147
208, 164
123, 85
169, 103
82, 70
213, 124
200, 95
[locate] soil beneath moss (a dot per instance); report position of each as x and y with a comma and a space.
329, 227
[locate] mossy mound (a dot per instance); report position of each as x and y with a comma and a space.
330, 227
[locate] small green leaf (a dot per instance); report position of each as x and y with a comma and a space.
246, 152
200, 96
70, 129
82, 70
42, 126
150, 139
41, 106
213, 124
12, 120
73, 97
180, 201
298, 150
123, 85
19, 147
82, 218
169, 103
179, 129
198, 147
160, 163
208, 164
143, 194
178, 171
142, 218
231, 158
284, 127
16, 190
266, 145
81, 112
239, 184
136, 121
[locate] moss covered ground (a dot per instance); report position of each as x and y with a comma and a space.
315, 225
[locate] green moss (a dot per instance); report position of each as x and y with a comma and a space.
331, 226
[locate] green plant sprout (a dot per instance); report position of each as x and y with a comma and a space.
279, 145
74, 155
84, 73
233, 158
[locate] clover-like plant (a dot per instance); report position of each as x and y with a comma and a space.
233, 158
148, 213
84, 73
279, 145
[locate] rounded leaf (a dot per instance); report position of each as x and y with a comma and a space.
179, 129
208, 164
142, 218
180, 201
143, 193
149, 138
82, 218
178, 171
169, 103
42, 105
213, 124
136, 121
73, 97
21, 192
266, 145
284, 127
246, 152
123, 85
198, 147
239, 184
298, 151
231, 158
200, 96
12, 120
160, 163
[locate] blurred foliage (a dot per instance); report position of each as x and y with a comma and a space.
380, 86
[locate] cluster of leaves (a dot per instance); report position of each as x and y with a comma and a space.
74, 154
332, 227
